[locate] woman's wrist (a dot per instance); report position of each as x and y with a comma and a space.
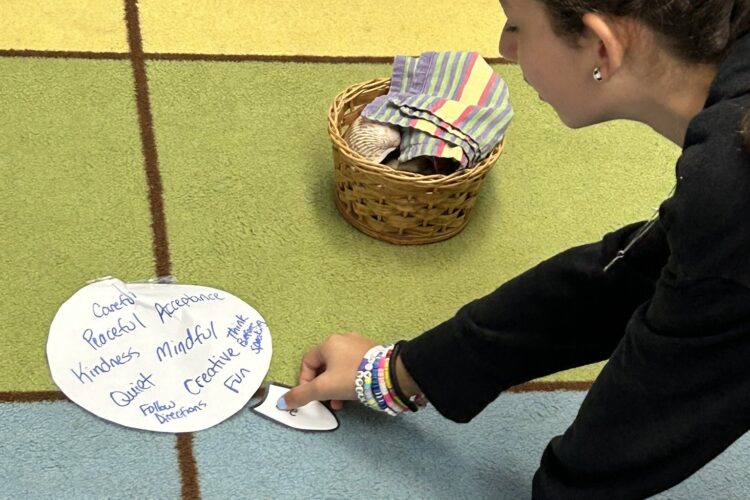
405, 381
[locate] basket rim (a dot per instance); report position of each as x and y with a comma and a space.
352, 91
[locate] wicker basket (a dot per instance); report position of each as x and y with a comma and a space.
394, 206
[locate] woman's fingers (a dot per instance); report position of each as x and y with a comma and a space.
312, 362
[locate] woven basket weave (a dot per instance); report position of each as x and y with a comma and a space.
394, 206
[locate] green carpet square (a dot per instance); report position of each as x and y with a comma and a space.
73, 197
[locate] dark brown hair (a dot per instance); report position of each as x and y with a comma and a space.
696, 31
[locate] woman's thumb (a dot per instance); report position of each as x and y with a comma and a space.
298, 396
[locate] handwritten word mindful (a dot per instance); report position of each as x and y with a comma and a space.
124, 398
197, 336
181, 413
85, 374
187, 300
99, 339
149, 408
197, 384
123, 301
243, 336
236, 379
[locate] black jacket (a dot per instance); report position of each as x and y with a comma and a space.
672, 316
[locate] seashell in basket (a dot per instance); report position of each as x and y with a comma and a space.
372, 140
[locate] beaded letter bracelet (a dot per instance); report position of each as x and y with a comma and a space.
376, 384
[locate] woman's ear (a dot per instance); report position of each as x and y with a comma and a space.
608, 40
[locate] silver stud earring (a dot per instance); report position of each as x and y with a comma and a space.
598, 74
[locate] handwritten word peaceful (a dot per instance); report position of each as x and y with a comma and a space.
86, 374
98, 340
123, 301
242, 336
186, 300
124, 398
171, 348
195, 385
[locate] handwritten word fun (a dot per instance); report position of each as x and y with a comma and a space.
181, 413
196, 385
171, 348
171, 307
123, 301
236, 379
86, 374
98, 340
124, 398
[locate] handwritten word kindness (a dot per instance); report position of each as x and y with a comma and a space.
97, 340
171, 307
197, 336
123, 301
242, 332
103, 365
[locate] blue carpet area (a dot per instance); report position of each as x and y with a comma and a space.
413, 456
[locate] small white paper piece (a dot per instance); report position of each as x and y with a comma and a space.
314, 416
159, 357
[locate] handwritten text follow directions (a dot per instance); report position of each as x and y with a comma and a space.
159, 357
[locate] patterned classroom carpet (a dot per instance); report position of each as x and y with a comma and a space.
169, 137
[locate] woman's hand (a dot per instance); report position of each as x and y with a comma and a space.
328, 372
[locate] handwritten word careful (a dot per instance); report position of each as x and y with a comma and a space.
123, 301
99, 339
171, 307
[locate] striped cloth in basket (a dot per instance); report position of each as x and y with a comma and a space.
448, 105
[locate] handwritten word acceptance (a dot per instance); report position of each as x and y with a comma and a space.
187, 300
98, 340
171, 348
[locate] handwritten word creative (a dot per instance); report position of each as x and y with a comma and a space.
160, 357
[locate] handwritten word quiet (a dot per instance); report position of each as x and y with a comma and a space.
123, 301
187, 300
98, 340
181, 413
192, 338
124, 398
197, 384
86, 374
236, 379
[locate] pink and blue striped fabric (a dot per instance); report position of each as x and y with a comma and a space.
448, 105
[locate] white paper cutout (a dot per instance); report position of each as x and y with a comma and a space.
314, 416
160, 357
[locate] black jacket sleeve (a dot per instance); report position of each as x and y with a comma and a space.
563, 313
